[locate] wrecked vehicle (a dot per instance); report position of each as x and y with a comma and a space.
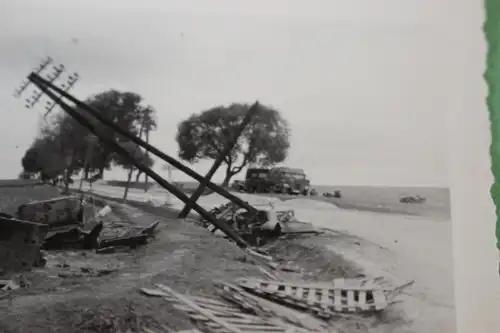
267, 225
59, 224
412, 199
277, 180
334, 194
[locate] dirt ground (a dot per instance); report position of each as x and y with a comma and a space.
83, 292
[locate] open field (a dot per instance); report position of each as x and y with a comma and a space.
398, 246
380, 199
188, 258
182, 256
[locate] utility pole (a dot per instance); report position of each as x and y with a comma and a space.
49, 89
94, 113
57, 71
44, 64
148, 123
51, 77
203, 184
170, 179
72, 79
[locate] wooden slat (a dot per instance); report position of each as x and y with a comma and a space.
288, 290
362, 301
325, 299
337, 300
311, 297
206, 300
351, 302
299, 293
202, 311
257, 328
341, 296
380, 301
225, 319
337, 283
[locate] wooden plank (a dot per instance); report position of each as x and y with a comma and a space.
279, 312
248, 321
380, 302
325, 299
288, 290
337, 283
206, 300
260, 328
362, 301
337, 300
299, 293
202, 311
226, 315
351, 302
311, 297
223, 309
345, 294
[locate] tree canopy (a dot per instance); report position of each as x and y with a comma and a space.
66, 147
265, 140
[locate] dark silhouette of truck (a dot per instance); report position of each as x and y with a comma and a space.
277, 180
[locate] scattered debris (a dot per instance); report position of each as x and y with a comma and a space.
412, 199
217, 316
55, 212
20, 244
258, 305
62, 224
269, 224
335, 194
323, 298
8, 285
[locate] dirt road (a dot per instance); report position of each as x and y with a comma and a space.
398, 247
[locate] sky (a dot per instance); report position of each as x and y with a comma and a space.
367, 86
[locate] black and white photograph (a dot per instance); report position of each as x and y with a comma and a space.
227, 166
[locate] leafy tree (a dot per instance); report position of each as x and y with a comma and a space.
23, 175
138, 154
265, 140
66, 147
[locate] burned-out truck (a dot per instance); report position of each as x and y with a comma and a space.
277, 180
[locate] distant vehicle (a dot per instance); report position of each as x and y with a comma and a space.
257, 181
335, 194
238, 185
412, 199
277, 180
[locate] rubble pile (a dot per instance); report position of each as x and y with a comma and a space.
269, 223
64, 223
412, 199
257, 305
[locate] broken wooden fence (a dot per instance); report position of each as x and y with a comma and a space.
215, 316
340, 295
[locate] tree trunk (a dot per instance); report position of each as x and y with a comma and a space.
101, 172
139, 173
125, 193
227, 178
147, 156
66, 181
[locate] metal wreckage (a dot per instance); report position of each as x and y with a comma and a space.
246, 305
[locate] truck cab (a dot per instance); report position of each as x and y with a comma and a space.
289, 180
257, 180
